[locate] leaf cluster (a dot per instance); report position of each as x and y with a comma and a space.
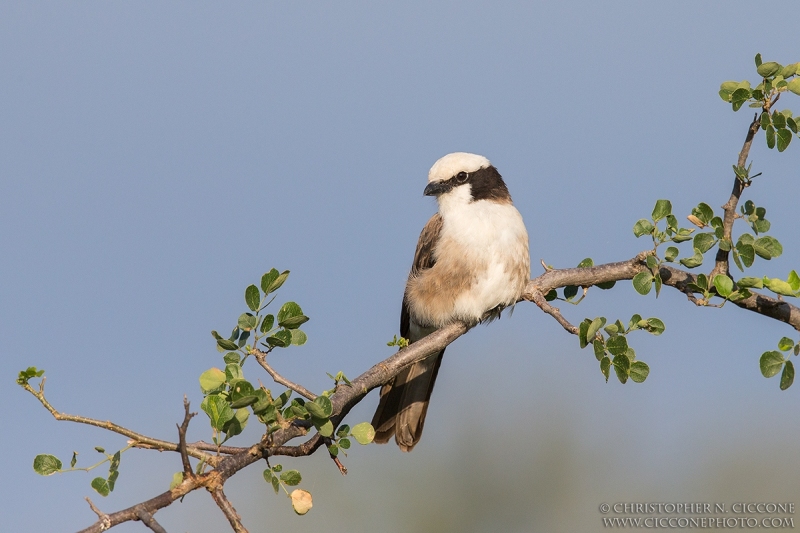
778, 126
612, 349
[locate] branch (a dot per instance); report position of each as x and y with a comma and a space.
227, 508
187, 466
721, 266
148, 520
261, 357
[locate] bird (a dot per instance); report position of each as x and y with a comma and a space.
471, 262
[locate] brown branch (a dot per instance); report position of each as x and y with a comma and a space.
227, 508
148, 520
104, 519
187, 416
721, 260
261, 357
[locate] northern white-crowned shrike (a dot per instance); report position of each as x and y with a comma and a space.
471, 262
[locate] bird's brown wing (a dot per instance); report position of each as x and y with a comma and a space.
404, 400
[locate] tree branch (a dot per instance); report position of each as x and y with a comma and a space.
187, 466
261, 357
227, 508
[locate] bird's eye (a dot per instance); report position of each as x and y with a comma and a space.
462, 177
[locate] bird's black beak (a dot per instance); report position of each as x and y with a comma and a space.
436, 188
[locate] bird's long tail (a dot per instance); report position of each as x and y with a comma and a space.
404, 403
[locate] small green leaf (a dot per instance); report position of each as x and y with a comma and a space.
291, 477
252, 297
749, 282
758, 60
267, 323
617, 345
298, 337
605, 367
343, 431
594, 327
639, 371
226, 344
364, 433
661, 210
724, 285
767, 247
586, 263
344, 444
599, 350
778, 286
655, 326
770, 135
289, 310
783, 140
692, 262
570, 291
218, 411
272, 280
794, 86
793, 280
323, 425
643, 227
671, 253
770, 68
177, 479
232, 358
46, 464
739, 97
642, 282
622, 366
101, 486
321, 407
785, 344
703, 242
787, 376
771, 363
74, 460
294, 322
211, 379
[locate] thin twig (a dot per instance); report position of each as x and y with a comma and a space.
335, 459
261, 357
148, 520
228, 510
187, 416
538, 298
104, 518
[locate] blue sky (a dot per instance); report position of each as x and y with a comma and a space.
156, 159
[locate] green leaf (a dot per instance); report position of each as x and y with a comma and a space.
605, 367
747, 282
272, 280
785, 344
770, 68
29, 373
252, 297
770, 134
692, 262
617, 345
344, 444
787, 376
606, 285
343, 431
323, 425
726, 89
551, 295
771, 363
586, 263
321, 407
101, 486
236, 425
778, 120
724, 285
247, 321
661, 210
758, 60
74, 460
746, 253
794, 280
739, 97
794, 86
177, 479
639, 371
655, 326
278, 340
232, 358
364, 433
570, 291
703, 242
671, 253
767, 247
291, 477
294, 322
46, 464
778, 286
211, 379
299, 337
267, 323
643, 227
622, 366
226, 344
784, 138
218, 411
599, 350
594, 327
289, 310
642, 282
